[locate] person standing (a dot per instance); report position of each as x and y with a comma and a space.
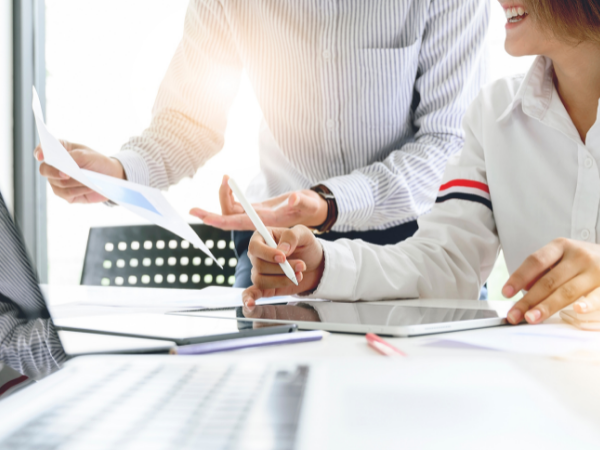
362, 104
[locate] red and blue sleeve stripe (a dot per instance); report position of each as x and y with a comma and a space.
462, 189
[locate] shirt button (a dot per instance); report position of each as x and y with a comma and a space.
326, 54
585, 234
330, 123
589, 162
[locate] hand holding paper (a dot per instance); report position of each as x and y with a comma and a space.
70, 189
144, 201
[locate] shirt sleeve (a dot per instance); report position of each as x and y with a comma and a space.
450, 73
450, 256
28, 340
190, 112
30, 347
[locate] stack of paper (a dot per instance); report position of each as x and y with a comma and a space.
549, 339
71, 301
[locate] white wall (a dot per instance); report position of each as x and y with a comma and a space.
6, 102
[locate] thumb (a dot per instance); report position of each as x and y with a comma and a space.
226, 198
82, 158
70, 146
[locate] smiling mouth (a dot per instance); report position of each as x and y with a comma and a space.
515, 14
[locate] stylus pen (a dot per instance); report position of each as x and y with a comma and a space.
260, 227
382, 347
248, 342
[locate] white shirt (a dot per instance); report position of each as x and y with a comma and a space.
523, 179
365, 97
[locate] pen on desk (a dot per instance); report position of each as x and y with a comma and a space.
248, 342
382, 347
260, 227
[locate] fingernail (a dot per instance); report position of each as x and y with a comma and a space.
284, 247
279, 259
515, 316
298, 268
245, 301
508, 291
533, 315
63, 175
582, 305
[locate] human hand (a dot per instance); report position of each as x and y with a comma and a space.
563, 272
72, 190
302, 250
279, 312
304, 207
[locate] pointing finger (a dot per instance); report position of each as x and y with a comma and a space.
534, 267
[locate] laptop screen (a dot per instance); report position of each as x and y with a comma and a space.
28, 340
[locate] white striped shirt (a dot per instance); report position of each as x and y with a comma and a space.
366, 97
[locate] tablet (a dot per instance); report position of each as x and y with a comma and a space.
179, 329
361, 317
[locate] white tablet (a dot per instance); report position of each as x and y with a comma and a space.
362, 317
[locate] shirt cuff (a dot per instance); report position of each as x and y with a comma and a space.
135, 167
339, 275
354, 199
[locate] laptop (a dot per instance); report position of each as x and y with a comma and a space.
234, 402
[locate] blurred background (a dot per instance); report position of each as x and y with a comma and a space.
104, 63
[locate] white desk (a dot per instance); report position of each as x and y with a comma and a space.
575, 385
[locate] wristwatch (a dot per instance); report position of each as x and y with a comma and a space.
332, 211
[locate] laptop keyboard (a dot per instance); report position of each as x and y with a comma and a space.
174, 407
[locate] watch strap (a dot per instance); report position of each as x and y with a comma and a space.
332, 211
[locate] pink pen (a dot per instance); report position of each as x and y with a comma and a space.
383, 347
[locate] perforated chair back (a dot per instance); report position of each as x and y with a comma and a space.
150, 256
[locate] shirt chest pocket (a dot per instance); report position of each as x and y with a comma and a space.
387, 84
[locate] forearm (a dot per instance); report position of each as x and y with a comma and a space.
190, 112
29, 347
172, 148
400, 188
449, 261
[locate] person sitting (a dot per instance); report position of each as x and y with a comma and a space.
526, 181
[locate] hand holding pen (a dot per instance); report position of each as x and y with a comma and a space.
300, 248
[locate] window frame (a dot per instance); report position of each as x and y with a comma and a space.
29, 69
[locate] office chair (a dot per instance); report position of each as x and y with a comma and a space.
150, 256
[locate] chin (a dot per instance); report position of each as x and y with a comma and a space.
517, 49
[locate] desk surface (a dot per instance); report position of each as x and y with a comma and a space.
576, 385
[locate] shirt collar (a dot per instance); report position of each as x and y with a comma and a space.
535, 92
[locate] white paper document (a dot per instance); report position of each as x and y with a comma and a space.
545, 339
69, 301
144, 201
